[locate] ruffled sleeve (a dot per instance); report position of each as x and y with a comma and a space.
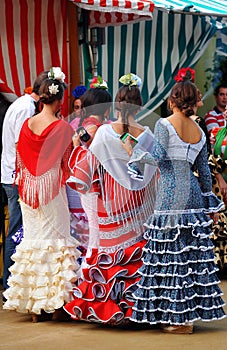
139, 158
83, 167
211, 203
137, 163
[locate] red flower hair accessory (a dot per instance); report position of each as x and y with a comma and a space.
98, 82
28, 90
185, 74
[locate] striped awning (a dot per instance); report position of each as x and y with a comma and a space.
138, 7
154, 50
33, 37
118, 12
200, 7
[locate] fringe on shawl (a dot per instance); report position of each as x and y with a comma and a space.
37, 191
128, 209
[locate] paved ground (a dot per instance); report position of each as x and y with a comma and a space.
17, 332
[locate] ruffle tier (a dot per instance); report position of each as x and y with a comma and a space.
211, 203
178, 281
43, 275
109, 279
166, 221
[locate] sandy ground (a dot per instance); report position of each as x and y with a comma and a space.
17, 332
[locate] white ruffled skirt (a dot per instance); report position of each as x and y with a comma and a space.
46, 267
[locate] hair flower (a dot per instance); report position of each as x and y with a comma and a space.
130, 79
56, 73
28, 90
185, 74
98, 82
53, 89
79, 91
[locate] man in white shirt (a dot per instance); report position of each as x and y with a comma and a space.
21, 109
216, 117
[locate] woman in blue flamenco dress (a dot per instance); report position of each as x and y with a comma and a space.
178, 283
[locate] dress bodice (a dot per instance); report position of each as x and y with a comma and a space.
178, 149
179, 188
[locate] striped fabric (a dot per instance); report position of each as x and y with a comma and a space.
221, 47
143, 7
154, 50
32, 39
205, 7
214, 119
100, 18
114, 12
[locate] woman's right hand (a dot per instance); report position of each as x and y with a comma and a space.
127, 146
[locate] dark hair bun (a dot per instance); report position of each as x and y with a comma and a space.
184, 95
51, 90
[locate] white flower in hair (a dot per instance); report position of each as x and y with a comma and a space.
56, 73
98, 82
53, 89
104, 84
131, 79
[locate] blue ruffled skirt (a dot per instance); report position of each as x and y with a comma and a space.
178, 281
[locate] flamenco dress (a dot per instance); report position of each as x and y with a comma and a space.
116, 206
178, 282
45, 265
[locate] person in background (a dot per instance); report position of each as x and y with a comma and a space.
45, 262
218, 166
116, 207
4, 105
21, 109
216, 118
96, 103
96, 107
178, 283
76, 105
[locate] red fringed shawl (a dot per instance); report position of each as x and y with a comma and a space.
42, 162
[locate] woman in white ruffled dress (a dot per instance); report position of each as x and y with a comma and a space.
45, 262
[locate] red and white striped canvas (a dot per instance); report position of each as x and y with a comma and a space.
116, 12
33, 37
103, 19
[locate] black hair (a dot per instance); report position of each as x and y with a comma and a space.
95, 101
128, 101
217, 89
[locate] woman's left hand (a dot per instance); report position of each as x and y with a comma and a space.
76, 140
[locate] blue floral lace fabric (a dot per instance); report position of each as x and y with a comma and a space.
178, 281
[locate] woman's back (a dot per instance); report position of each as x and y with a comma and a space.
186, 128
38, 123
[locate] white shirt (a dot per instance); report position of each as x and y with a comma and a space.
17, 113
